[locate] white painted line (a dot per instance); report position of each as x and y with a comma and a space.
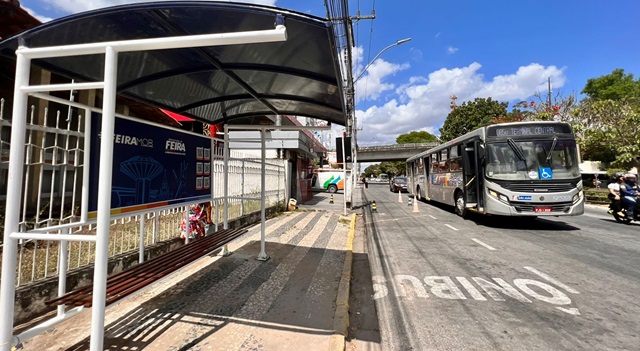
552, 280
451, 227
483, 244
432, 217
571, 311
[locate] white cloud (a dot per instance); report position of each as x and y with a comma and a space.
416, 54
423, 102
40, 18
75, 6
452, 50
372, 82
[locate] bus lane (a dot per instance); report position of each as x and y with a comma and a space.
547, 284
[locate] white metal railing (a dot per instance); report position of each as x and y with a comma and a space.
54, 161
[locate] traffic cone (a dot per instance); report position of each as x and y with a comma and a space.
399, 196
373, 207
331, 199
410, 202
415, 206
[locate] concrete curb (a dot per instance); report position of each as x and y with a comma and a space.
341, 317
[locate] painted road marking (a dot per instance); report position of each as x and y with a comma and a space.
432, 217
451, 227
573, 311
552, 280
496, 289
483, 244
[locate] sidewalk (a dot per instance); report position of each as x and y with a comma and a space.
236, 302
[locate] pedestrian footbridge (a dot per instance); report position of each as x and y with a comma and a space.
398, 152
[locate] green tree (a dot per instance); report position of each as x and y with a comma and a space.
607, 121
372, 171
611, 131
472, 115
614, 86
416, 138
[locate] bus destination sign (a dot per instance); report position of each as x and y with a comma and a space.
529, 130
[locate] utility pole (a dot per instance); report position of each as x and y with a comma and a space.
549, 93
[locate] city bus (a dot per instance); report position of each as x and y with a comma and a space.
510, 169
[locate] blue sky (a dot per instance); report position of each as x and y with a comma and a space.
505, 49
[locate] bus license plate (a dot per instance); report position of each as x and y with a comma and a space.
542, 209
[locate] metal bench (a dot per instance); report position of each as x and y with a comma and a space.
127, 282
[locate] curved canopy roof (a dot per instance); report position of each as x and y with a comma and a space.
300, 76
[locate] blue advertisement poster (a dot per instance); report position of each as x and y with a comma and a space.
153, 166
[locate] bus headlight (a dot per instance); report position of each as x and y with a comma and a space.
499, 196
577, 197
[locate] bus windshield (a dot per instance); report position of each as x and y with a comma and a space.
532, 160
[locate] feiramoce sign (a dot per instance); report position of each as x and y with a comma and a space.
153, 166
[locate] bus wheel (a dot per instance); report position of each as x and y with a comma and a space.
461, 205
332, 188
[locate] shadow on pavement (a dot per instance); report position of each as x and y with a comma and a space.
515, 222
253, 298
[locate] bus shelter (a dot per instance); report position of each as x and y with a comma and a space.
210, 61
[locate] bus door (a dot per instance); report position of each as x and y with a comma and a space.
472, 175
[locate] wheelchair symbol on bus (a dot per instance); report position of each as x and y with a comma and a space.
546, 173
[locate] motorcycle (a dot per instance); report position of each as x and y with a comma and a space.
626, 219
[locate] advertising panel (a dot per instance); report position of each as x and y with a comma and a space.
153, 166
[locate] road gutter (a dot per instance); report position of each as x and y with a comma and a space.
341, 317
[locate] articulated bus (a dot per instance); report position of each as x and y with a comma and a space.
510, 169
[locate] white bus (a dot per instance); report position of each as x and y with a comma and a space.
510, 169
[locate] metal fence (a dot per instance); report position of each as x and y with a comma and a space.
53, 179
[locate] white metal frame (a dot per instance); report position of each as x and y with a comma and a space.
22, 89
263, 131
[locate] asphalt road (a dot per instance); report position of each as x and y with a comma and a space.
440, 282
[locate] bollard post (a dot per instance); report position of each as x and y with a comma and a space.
410, 202
331, 198
373, 207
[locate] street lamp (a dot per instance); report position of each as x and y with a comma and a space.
401, 41
354, 132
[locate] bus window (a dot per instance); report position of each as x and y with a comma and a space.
455, 151
434, 164
443, 166
443, 154
455, 164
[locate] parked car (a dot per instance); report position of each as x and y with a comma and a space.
398, 184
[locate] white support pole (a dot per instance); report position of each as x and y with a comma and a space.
212, 188
226, 178
63, 87
86, 160
141, 255
104, 200
344, 178
263, 154
43, 236
242, 196
177, 42
156, 226
187, 225
12, 211
63, 266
